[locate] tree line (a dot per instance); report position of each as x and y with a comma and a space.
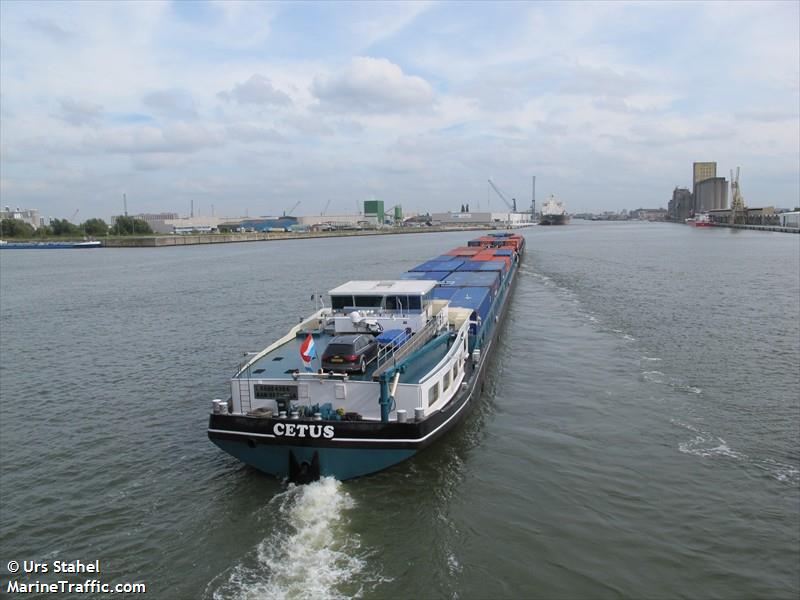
15, 228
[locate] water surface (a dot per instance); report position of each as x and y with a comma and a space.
637, 437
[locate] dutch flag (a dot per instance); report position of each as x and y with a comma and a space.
307, 351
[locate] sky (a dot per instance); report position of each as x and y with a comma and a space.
252, 107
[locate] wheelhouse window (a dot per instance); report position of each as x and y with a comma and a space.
396, 303
340, 302
403, 303
368, 301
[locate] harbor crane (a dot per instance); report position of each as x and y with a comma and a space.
324, 210
287, 213
738, 208
512, 206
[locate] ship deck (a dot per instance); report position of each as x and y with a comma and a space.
284, 360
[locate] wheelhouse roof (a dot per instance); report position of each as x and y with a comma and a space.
405, 287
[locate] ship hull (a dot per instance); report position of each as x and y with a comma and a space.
553, 220
354, 449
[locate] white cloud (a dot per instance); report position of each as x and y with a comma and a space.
373, 85
171, 103
80, 112
257, 90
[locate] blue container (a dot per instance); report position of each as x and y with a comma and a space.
483, 265
432, 275
478, 299
493, 265
397, 337
438, 265
444, 293
472, 279
503, 252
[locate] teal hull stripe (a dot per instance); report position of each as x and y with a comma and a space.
342, 463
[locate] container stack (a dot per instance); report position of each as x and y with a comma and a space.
470, 276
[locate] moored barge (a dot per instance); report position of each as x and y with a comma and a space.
383, 372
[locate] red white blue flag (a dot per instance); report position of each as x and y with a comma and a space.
307, 350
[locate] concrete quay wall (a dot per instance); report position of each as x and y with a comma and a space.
759, 227
193, 240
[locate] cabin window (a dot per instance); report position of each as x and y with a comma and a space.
446, 381
455, 370
414, 303
433, 393
340, 302
396, 303
368, 301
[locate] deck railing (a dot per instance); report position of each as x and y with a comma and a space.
415, 341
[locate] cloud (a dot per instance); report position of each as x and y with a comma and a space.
248, 133
257, 90
767, 115
175, 139
50, 28
171, 103
373, 85
80, 112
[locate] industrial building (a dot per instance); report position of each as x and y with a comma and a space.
790, 219
709, 191
702, 171
710, 194
753, 216
480, 218
27, 215
681, 205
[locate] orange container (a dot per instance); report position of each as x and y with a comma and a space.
463, 251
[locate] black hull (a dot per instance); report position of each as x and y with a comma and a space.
553, 220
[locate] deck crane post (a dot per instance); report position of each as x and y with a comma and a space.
511, 205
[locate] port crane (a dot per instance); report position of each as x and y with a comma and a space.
738, 208
287, 213
324, 210
512, 206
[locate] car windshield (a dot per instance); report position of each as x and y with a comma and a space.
339, 349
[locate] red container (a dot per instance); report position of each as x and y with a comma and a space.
463, 251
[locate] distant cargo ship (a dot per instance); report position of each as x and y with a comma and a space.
701, 220
47, 245
553, 212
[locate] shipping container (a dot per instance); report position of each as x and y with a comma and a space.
429, 275
478, 299
438, 265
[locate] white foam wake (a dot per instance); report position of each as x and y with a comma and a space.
706, 444
311, 554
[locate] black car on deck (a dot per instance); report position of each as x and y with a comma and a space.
350, 353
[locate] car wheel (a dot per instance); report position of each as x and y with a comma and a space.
362, 366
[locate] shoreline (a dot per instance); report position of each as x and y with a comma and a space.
167, 241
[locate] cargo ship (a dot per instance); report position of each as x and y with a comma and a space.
700, 220
380, 372
553, 212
